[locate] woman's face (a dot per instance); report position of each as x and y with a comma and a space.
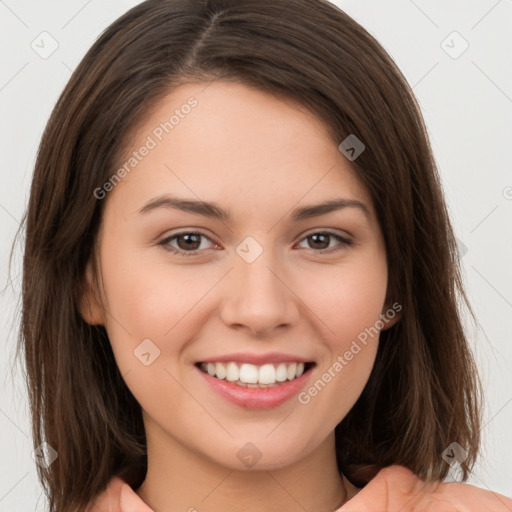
257, 284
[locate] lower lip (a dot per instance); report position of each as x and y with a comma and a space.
256, 398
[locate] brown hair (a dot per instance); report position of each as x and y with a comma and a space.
423, 393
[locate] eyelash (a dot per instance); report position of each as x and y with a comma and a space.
165, 243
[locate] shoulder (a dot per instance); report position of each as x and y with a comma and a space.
394, 487
118, 497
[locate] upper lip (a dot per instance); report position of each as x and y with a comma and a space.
257, 359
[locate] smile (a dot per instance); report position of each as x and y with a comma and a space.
255, 376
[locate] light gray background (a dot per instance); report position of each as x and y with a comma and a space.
467, 104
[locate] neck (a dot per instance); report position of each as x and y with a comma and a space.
179, 479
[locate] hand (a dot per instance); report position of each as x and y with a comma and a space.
397, 489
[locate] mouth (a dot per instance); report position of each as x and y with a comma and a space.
267, 375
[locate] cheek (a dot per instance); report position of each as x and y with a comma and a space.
152, 300
149, 298
349, 302
348, 298
153, 315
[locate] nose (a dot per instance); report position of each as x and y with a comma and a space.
258, 298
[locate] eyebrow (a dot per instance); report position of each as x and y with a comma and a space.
216, 212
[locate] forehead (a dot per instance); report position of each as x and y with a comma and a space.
231, 143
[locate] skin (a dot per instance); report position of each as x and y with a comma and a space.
396, 489
259, 157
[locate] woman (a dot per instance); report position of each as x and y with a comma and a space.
240, 279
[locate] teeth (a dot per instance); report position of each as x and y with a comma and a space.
292, 371
282, 373
232, 372
220, 371
266, 374
250, 375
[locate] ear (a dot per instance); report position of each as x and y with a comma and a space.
90, 308
392, 314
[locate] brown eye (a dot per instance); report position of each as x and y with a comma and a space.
321, 241
186, 243
189, 241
